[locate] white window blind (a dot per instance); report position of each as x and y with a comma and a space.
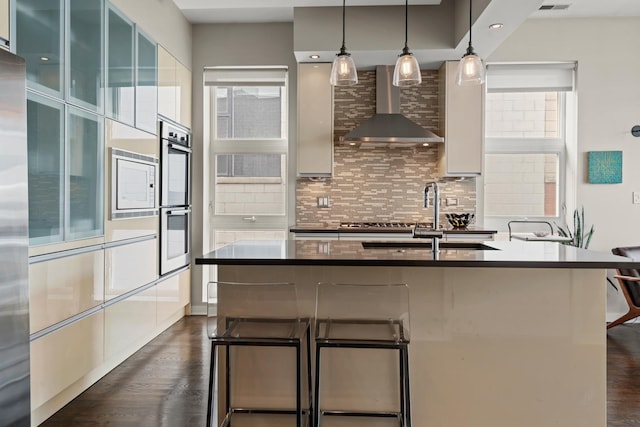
245, 76
548, 77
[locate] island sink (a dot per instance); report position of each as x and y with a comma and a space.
426, 244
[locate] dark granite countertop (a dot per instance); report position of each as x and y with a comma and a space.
391, 230
514, 254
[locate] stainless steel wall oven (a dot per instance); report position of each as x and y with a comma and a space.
175, 196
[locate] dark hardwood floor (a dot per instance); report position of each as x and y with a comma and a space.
165, 383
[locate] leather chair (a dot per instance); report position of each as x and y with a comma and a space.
629, 281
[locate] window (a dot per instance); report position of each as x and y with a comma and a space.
526, 116
247, 120
249, 112
249, 142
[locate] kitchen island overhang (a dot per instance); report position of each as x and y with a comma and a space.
516, 337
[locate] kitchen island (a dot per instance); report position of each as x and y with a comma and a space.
502, 333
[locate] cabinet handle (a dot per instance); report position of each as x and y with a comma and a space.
250, 218
180, 148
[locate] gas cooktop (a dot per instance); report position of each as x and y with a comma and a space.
390, 224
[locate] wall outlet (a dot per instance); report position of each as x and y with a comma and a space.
636, 197
323, 201
452, 201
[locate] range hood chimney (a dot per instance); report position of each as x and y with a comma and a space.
388, 127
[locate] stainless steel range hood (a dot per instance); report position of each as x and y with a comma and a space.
388, 127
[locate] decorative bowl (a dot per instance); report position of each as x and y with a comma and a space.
459, 220
541, 233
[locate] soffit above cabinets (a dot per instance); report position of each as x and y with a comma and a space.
437, 33
246, 11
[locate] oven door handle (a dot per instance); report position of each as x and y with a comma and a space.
179, 212
179, 147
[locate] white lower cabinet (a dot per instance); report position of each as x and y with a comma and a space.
173, 294
66, 361
129, 321
63, 357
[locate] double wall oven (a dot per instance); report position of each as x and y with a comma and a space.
175, 196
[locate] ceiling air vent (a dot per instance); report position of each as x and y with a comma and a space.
554, 7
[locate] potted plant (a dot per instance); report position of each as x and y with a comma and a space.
579, 237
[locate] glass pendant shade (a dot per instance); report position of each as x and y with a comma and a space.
470, 67
407, 71
343, 71
470, 71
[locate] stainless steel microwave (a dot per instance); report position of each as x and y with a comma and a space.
134, 189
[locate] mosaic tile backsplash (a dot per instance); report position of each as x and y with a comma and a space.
382, 184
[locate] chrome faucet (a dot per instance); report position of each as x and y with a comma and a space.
435, 234
436, 202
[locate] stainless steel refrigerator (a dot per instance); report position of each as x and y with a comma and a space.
14, 240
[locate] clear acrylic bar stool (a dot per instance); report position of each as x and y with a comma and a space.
363, 316
258, 315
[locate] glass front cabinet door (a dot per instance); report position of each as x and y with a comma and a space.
120, 67
39, 40
85, 80
146, 83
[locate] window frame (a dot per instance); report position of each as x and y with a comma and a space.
532, 145
232, 146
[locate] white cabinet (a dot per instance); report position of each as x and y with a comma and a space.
174, 89
315, 120
461, 124
4, 23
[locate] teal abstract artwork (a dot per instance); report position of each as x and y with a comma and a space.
605, 167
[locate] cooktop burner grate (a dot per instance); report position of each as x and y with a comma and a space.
390, 224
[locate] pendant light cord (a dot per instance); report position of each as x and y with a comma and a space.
470, 3
344, 4
405, 51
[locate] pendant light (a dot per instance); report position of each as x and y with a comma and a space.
407, 71
470, 68
343, 70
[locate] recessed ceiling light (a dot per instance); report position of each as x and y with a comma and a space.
496, 26
425, 144
352, 143
44, 58
314, 56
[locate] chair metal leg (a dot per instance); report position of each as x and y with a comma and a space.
212, 374
298, 387
316, 397
310, 395
228, 380
402, 388
407, 392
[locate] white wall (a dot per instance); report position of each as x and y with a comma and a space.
234, 45
608, 88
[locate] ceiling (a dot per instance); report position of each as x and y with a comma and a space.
248, 11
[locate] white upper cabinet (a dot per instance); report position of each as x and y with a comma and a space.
4, 24
315, 120
461, 125
174, 89
166, 83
